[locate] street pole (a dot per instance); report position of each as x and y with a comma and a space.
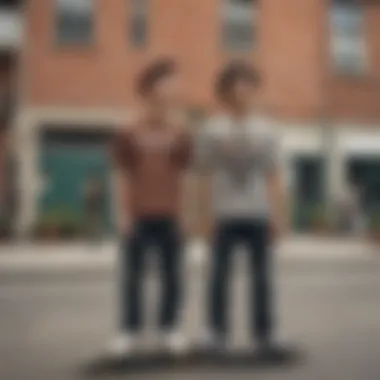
328, 151
327, 132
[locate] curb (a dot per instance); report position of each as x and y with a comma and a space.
84, 256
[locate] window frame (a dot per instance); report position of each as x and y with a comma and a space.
228, 42
82, 41
357, 55
138, 14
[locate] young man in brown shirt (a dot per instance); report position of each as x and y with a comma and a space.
151, 156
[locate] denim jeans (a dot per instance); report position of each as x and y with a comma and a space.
255, 236
163, 236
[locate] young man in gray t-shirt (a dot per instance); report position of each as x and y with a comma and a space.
241, 153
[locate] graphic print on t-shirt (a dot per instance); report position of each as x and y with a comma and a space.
239, 156
240, 188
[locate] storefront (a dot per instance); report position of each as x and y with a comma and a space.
364, 175
308, 190
72, 158
57, 149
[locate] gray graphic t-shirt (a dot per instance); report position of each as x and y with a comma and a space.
239, 155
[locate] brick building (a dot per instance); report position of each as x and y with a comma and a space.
320, 61
10, 44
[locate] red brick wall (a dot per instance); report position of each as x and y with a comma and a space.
291, 54
102, 74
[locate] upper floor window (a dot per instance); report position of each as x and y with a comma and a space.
139, 22
10, 4
240, 24
74, 21
348, 45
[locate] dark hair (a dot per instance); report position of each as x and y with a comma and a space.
231, 74
153, 74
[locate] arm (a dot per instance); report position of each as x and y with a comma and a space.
188, 214
203, 166
122, 197
278, 200
184, 159
121, 183
205, 217
276, 188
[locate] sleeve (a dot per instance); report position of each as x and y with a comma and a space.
205, 152
185, 150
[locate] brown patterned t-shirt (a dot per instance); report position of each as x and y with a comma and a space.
155, 158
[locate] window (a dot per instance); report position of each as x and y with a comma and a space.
240, 21
139, 22
74, 21
347, 36
10, 4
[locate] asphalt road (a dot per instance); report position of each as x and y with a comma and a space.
51, 326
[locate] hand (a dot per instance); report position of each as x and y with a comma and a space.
125, 226
279, 229
185, 228
208, 230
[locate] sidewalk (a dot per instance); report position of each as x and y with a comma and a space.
83, 255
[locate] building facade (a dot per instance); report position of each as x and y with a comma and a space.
10, 45
320, 61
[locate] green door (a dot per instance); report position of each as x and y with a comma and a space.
309, 192
364, 173
66, 169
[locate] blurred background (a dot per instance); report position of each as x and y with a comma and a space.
67, 70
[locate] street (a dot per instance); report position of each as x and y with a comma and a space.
54, 322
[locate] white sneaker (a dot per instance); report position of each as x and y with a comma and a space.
122, 345
175, 343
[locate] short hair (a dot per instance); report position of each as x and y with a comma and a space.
231, 74
153, 74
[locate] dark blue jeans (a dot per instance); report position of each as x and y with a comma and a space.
163, 236
255, 236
